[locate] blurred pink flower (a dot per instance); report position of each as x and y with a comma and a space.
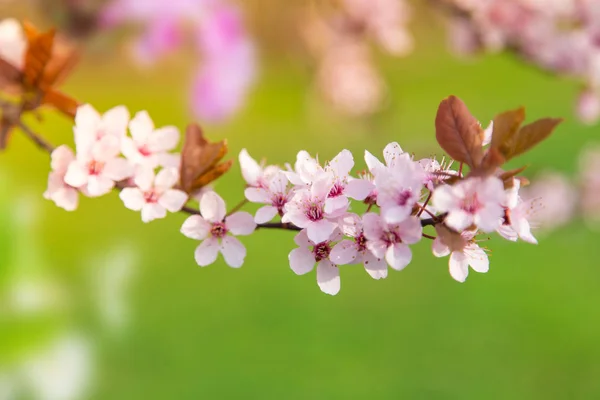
228, 66
558, 200
589, 165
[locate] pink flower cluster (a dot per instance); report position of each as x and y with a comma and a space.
372, 218
106, 157
340, 43
228, 66
317, 200
561, 36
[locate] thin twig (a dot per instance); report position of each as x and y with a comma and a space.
37, 139
424, 206
238, 207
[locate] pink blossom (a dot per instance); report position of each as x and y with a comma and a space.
588, 106
97, 169
12, 42
517, 213
344, 186
91, 126
154, 194
150, 147
390, 241
355, 250
463, 254
255, 174
215, 230
307, 210
62, 194
303, 259
305, 171
229, 69
275, 194
392, 155
399, 188
472, 201
558, 200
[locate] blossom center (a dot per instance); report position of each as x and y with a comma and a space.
278, 202
218, 230
336, 190
321, 251
471, 204
391, 238
361, 242
403, 197
144, 151
95, 167
314, 212
151, 196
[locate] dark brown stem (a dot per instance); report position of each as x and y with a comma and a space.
425, 204
37, 139
428, 236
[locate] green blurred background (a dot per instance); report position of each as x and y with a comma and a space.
528, 329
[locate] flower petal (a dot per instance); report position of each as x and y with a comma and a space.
398, 256
195, 227
233, 251
410, 230
342, 164
251, 171
66, 198
77, 174
477, 258
115, 121
459, 266
99, 185
140, 127
359, 189
173, 200
152, 211
444, 199
439, 248
265, 214
376, 267
206, 253
459, 220
373, 162
118, 169
144, 178
392, 153
163, 139
328, 277
320, 231
212, 207
373, 226
345, 252
302, 260
257, 195
240, 223
166, 178
133, 198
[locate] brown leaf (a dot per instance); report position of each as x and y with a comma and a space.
492, 160
508, 176
65, 104
458, 132
506, 125
64, 58
530, 135
200, 160
38, 54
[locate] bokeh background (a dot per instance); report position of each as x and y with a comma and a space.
123, 305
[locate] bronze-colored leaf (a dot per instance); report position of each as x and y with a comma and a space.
506, 125
64, 58
458, 132
200, 160
508, 176
532, 134
37, 55
492, 160
63, 103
